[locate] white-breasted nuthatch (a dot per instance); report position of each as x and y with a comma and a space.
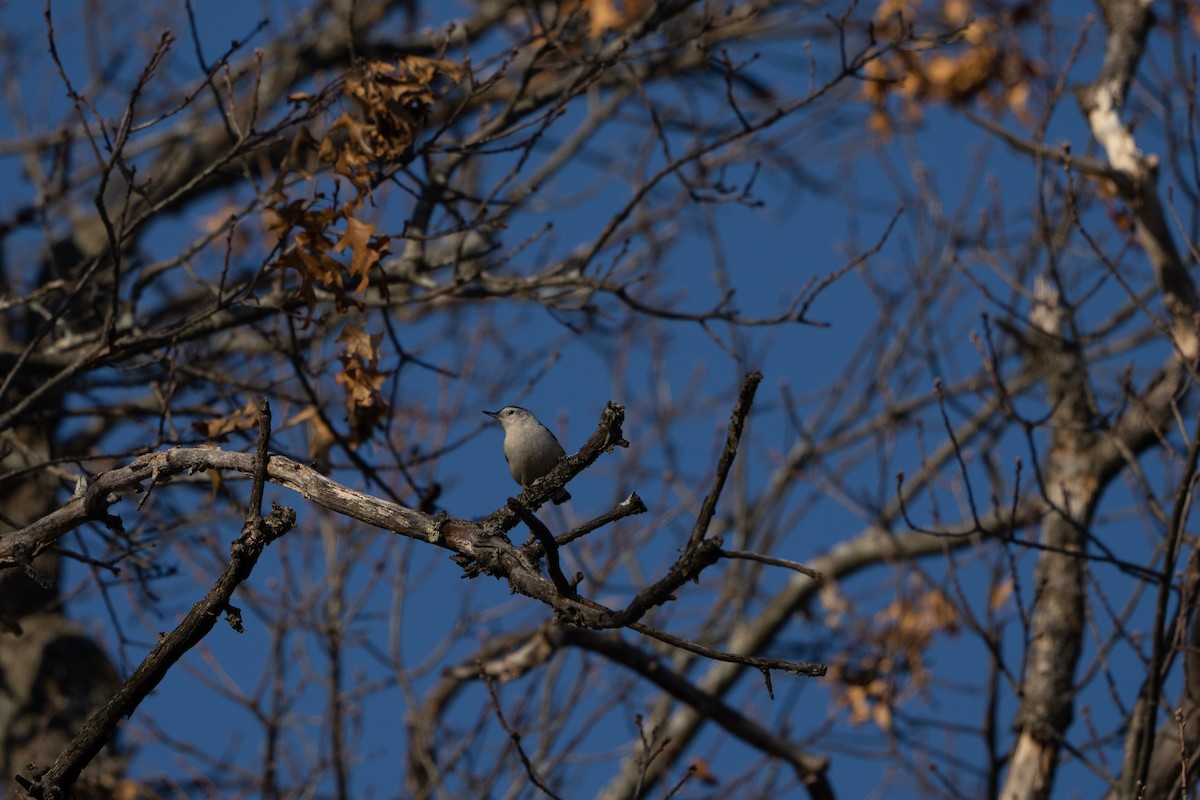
529, 447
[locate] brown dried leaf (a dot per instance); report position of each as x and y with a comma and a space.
602, 17
956, 12
320, 435
219, 428
702, 770
366, 252
360, 345
999, 595
361, 379
394, 99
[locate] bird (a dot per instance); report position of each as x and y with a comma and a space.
529, 447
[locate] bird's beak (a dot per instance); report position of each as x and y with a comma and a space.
492, 414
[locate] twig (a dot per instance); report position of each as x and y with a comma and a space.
745, 399
513, 734
548, 545
763, 664
809, 768
775, 562
626, 508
